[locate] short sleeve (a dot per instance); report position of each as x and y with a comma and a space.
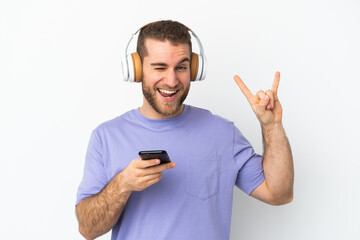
94, 176
250, 170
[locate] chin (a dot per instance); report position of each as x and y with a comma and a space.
161, 107
167, 110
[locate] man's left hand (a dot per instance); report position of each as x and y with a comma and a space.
266, 105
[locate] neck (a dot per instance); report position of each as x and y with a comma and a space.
148, 111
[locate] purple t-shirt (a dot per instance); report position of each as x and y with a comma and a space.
191, 201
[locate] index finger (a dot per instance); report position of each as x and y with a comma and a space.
147, 163
276, 82
243, 88
162, 167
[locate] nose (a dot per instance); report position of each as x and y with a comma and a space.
171, 78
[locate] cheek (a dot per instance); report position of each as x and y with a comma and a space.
184, 77
151, 78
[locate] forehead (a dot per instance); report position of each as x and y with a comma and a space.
165, 50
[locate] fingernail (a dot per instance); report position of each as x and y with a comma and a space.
157, 161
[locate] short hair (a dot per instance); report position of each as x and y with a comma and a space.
172, 31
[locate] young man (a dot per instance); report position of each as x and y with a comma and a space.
191, 197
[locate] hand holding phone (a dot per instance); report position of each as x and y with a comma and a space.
155, 154
140, 174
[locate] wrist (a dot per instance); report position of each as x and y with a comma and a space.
271, 126
117, 187
272, 130
122, 186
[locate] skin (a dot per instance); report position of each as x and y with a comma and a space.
167, 67
278, 166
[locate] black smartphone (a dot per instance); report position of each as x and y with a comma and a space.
155, 154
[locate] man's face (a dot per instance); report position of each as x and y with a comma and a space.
166, 78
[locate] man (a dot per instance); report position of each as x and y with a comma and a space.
191, 197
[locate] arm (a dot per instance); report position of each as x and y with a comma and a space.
99, 213
278, 167
277, 161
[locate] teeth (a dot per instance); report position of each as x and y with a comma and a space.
167, 91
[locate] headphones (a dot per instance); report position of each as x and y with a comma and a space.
132, 66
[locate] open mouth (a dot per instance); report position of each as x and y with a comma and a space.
167, 94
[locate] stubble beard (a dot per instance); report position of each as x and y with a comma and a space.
163, 108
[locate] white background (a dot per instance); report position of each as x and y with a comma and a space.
61, 76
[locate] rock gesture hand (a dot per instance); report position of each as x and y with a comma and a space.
265, 105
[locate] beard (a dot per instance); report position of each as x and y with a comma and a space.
166, 109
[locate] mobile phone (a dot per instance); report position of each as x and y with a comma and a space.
155, 154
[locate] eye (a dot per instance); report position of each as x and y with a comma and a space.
181, 68
159, 68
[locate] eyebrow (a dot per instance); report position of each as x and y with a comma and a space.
186, 59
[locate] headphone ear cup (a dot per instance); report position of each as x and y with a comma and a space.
194, 67
137, 67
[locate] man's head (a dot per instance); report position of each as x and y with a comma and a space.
171, 31
165, 51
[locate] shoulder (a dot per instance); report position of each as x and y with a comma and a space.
205, 116
115, 123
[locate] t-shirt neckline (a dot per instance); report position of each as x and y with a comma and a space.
162, 124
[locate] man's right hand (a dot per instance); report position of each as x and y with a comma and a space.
99, 213
140, 174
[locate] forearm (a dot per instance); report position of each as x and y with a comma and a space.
99, 213
278, 162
